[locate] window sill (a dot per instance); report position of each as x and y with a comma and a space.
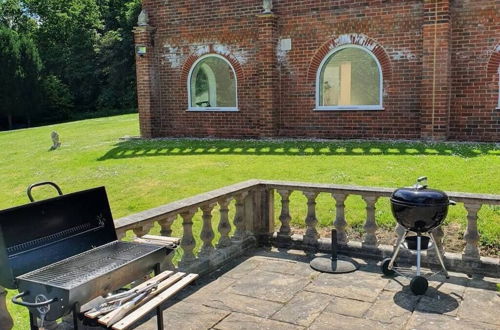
212, 110
347, 108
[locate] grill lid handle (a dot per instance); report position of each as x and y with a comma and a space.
45, 183
16, 301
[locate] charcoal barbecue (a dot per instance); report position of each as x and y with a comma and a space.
62, 252
420, 210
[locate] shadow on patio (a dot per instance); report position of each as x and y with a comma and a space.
184, 147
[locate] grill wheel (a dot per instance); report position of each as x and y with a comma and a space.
385, 267
419, 285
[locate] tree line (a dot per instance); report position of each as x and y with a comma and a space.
65, 59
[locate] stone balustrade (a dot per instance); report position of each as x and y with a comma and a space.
370, 195
254, 218
252, 203
214, 208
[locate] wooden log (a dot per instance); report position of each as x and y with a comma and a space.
158, 240
106, 320
159, 277
153, 303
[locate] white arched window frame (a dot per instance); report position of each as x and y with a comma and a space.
348, 107
215, 108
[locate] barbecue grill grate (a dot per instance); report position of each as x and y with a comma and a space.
23, 247
74, 271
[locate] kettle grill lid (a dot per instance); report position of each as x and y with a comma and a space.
420, 195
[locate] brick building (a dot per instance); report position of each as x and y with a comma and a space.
383, 69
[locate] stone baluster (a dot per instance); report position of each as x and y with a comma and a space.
143, 229
285, 230
188, 242
438, 236
5, 318
224, 226
166, 230
370, 227
400, 231
207, 233
311, 236
166, 225
471, 235
239, 218
120, 234
340, 222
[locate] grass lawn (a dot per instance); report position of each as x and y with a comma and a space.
142, 174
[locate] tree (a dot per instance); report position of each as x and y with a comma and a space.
9, 73
13, 15
63, 57
117, 55
29, 78
57, 102
66, 37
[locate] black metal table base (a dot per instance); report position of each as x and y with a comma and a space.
334, 264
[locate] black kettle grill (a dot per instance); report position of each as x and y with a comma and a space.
419, 210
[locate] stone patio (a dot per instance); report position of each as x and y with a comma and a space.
272, 289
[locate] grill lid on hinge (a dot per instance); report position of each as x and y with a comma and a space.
38, 234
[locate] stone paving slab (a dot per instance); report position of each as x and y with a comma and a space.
359, 285
347, 307
430, 321
303, 308
480, 304
390, 308
268, 285
239, 303
329, 321
243, 321
276, 290
188, 316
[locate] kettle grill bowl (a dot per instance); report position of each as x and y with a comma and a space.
419, 218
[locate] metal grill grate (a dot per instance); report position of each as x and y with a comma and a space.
47, 239
86, 266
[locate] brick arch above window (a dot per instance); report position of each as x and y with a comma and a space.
195, 57
351, 39
494, 62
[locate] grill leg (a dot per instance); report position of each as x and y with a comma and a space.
76, 310
440, 257
33, 322
159, 312
396, 252
419, 246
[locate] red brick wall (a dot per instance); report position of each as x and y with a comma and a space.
476, 59
394, 27
276, 89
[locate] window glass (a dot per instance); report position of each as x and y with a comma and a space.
213, 84
350, 76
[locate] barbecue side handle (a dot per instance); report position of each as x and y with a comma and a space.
17, 301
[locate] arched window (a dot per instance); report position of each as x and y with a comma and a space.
349, 78
212, 85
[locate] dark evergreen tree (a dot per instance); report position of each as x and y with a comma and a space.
9, 74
